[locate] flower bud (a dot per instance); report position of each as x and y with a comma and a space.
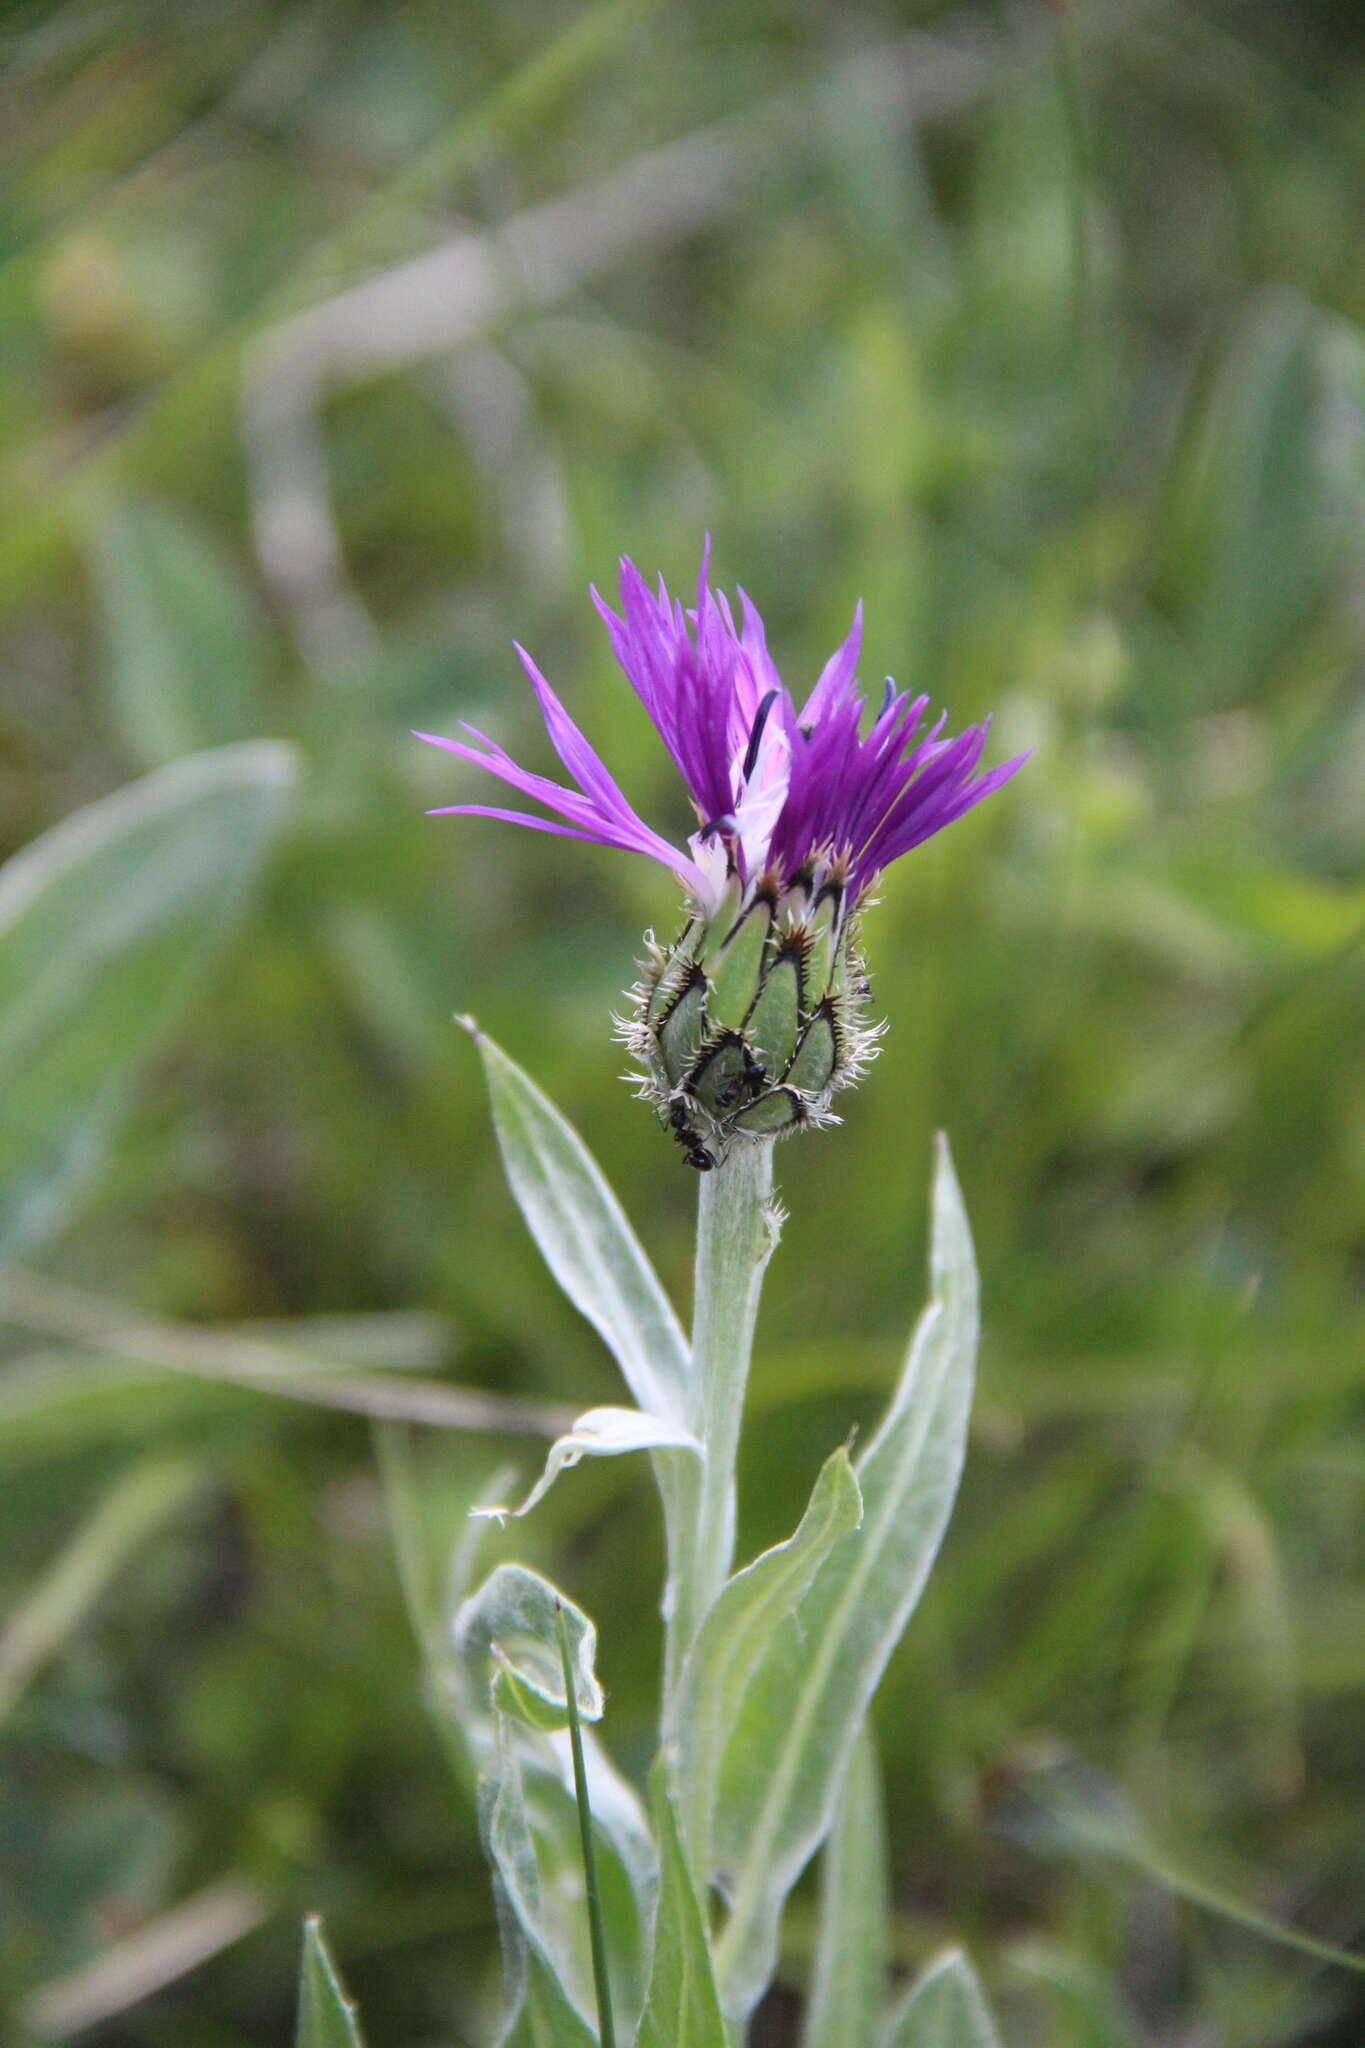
752, 1020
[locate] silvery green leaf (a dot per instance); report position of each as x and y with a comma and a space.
513, 1619
327, 2018
627, 1865
584, 1237
945, 2008
845, 2003
540, 2011
600, 1433
682, 2009
787, 1755
425, 1519
737, 1634
107, 924
424, 1522
617, 1813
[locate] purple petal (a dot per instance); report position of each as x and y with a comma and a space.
780, 789
837, 673
685, 687
602, 815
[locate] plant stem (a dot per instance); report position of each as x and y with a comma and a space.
606, 2028
736, 1233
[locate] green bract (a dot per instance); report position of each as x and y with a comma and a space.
748, 1025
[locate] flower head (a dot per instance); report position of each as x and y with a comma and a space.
749, 1023
785, 796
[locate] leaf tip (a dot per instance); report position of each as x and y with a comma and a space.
947, 1186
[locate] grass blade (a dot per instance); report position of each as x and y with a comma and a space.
605, 2025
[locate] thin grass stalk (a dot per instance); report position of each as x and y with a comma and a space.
597, 1934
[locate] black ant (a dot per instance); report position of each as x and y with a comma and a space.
689, 1138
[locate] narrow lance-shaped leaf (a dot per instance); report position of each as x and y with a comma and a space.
946, 2008
327, 2018
540, 2012
789, 1750
845, 2003
584, 1237
735, 1637
628, 1868
600, 1433
682, 2009
627, 1862
107, 924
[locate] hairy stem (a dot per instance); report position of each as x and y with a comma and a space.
736, 1233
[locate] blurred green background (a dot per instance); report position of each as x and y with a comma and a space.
339, 344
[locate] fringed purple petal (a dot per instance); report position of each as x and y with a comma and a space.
602, 815
775, 791
581, 760
937, 797
760, 672
511, 818
837, 674
687, 699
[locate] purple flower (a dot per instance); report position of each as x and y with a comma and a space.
786, 797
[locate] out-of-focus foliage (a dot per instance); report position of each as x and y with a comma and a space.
1044, 331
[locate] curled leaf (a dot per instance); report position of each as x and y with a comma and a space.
513, 1618
600, 1433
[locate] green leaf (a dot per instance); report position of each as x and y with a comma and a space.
600, 1433
735, 1636
789, 1749
327, 2018
513, 1618
427, 1525
540, 2012
845, 2003
181, 638
945, 2008
584, 1237
682, 2009
107, 925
